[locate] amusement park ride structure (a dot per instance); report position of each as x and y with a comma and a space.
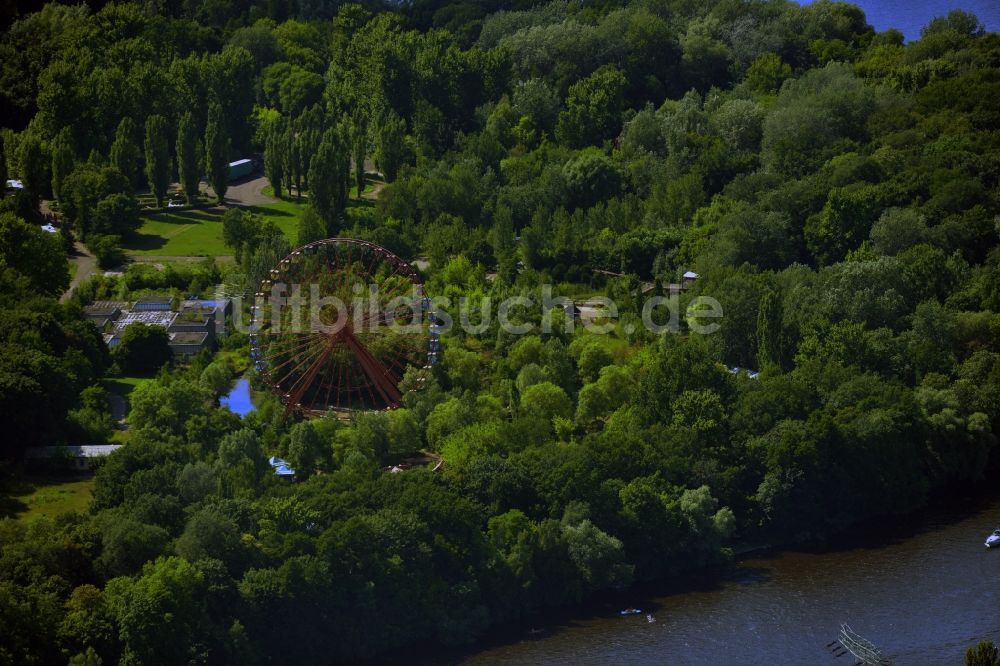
336, 325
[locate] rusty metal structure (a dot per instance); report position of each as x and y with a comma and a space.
862, 650
337, 323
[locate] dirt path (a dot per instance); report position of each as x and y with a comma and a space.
251, 192
119, 409
211, 210
376, 191
86, 265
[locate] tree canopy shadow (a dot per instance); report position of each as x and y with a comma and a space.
140, 241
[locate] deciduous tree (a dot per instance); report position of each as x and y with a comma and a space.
125, 154
157, 157
62, 162
217, 152
187, 156
142, 349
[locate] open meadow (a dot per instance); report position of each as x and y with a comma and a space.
32, 497
198, 232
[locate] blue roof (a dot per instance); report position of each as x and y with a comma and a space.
281, 467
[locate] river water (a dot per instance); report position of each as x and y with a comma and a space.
923, 591
910, 16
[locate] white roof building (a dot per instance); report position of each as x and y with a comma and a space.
81, 456
150, 318
86, 451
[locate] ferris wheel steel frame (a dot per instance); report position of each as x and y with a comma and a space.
358, 363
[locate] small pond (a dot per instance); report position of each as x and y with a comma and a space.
238, 400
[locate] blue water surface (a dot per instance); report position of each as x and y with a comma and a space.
909, 16
238, 400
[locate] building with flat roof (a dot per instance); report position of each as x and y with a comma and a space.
240, 168
188, 343
224, 303
108, 305
80, 458
221, 309
150, 318
102, 314
196, 325
195, 319
153, 302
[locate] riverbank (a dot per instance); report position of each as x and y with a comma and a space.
910, 16
921, 587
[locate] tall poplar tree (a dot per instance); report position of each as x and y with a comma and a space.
289, 154
33, 167
217, 152
274, 157
157, 157
62, 161
324, 183
359, 148
295, 159
769, 332
3, 162
124, 151
187, 157
390, 147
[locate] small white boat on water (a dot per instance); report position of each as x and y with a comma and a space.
993, 540
630, 611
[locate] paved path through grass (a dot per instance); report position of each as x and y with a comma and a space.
248, 193
86, 265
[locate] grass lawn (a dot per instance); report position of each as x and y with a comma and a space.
268, 191
124, 385
188, 233
72, 270
284, 213
198, 233
119, 437
148, 201
31, 497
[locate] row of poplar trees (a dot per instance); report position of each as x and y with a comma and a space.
308, 153
194, 155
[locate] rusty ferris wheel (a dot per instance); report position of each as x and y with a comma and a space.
337, 323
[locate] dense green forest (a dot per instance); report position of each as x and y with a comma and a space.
835, 188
